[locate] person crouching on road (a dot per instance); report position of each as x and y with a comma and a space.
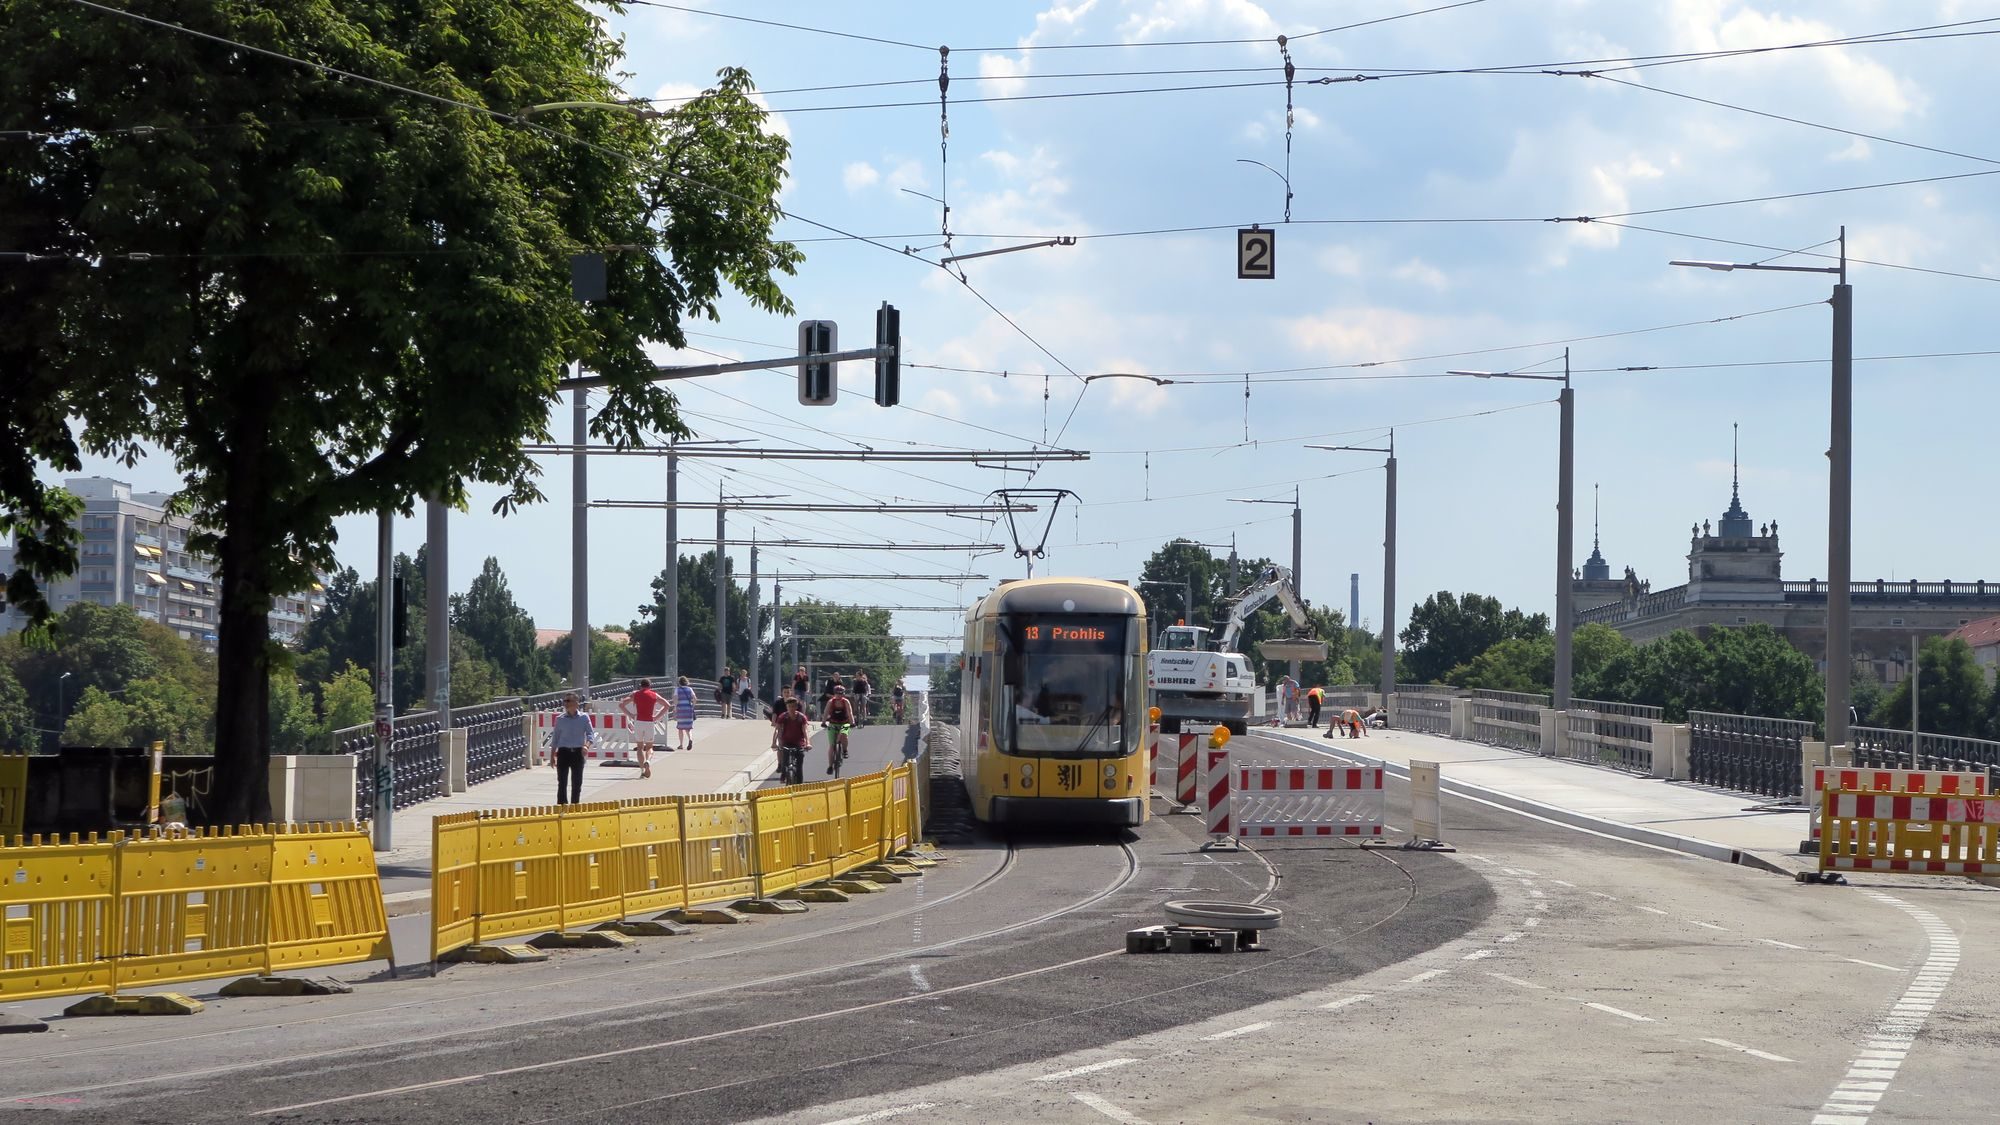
643, 708
572, 734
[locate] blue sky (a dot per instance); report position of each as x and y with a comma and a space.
1477, 458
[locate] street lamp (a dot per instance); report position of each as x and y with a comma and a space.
1153, 379
638, 109
1297, 527
1839, 489
1565, 520
59, 702
1388, 557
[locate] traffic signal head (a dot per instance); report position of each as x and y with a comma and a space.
818, 384
400, 614
889, 368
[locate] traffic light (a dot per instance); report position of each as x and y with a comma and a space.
818, 384
400, 614
889, 368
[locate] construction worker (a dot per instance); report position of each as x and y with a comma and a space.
1351, 719
1313, 699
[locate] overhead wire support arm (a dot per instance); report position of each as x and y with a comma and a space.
700, 370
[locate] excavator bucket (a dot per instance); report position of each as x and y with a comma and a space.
1293, 649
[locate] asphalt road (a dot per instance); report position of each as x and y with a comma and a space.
1538, 974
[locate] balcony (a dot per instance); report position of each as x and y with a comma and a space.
144, 539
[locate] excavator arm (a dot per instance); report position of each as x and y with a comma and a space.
1275, 582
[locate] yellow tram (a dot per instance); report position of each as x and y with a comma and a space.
1052, 708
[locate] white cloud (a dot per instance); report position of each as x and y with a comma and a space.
1857, 149
1868, 88
1419, 272
1175, 19
858, 175
1341, 261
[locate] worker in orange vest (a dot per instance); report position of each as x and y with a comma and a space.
1313, 700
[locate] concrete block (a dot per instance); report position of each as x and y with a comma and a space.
1670, 750
155, 1004
12, 1024
581, 939
642, 928
1461, 717
853, 886
285, 986
494, 955
768, 906
1811, 755
816, 893
705, 916
454, 743
1555, 731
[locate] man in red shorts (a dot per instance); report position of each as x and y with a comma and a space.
643, 708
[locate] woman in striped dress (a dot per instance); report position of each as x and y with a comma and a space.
684, 715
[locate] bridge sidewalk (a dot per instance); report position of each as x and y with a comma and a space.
1680, 816
729, 756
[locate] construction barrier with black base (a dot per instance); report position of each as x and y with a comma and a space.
101, 914
560, 872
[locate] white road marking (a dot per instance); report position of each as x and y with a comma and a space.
1534, 892
1560, 883
917, 978
1087, 1068
1427, 974
1705, 925
1868, 1077
1634, 1016
1653, 910
885, 1114
1601, 894
1779, 944
1477, 954
1517, 935
1874, 964
1517, 981
1107, 1109
1246, 1029
1480, 858
1752, 1051
1531, 921
1345, 1001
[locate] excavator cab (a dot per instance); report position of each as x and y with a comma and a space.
1182, 638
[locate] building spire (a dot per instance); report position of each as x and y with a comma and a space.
1595, 569
1594, 544
1735, 463
1735, 522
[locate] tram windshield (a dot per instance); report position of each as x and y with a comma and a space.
1064, 687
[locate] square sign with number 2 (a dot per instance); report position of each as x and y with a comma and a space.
1256, 254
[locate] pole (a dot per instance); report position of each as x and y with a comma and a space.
721, 590
670, 580
1389, 581
1840, 501
777, 640
1297, 582
437, 606
385, 682
1565, 540
750, 627
579, 548
1916, 726
1353, 603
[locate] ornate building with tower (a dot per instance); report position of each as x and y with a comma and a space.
1735, 577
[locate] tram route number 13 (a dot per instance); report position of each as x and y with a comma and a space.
1256, 254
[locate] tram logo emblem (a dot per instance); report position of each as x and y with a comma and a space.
1069, 775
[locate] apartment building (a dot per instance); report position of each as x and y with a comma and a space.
135, 552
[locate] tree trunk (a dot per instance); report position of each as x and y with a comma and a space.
242, 793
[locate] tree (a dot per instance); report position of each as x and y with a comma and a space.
98, 720
697, 621
1516, 664
321, 296
1952, 697
864, 642
1594, 651
488, 615
294, 727
17, 718
1160, 585
609, 659
1445, 631
1755, 671
349, 699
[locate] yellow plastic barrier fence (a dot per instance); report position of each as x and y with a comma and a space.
98, 915
1909, 833
508, 873
13, 795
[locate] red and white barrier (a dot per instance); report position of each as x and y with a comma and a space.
1292, 798
1187, 771
1854, 779
614, 735
1925, 829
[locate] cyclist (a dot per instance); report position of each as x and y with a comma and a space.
839, 718
896, 695
863, 690
794, 733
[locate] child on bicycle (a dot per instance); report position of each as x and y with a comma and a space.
839, 719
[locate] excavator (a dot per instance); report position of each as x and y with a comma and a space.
1201, 686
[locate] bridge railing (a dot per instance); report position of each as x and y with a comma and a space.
1508, 718
1747, 753
1619, 735
1888, 748
1425, 708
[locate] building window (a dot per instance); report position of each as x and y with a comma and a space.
1743, 620
1895, 621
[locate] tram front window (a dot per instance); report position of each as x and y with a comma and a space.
1065, 686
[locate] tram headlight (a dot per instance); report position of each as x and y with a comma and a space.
1027, 777
1110, 775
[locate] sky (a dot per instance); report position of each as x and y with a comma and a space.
1419, 243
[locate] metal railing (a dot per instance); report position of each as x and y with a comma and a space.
495, 743
1907, 588
1508, 718
1885, 748
415, 752
1421, 708
1619, 735
1747, 753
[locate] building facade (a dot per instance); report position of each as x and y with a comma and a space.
135, 552
1735, 577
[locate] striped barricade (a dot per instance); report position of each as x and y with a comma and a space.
614, 735
1909, 833
1187, 770
1215, 790
1856, 780
1307, 799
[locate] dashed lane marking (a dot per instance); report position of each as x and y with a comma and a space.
1868, 1077
885, 1114
1706, 925
1562, 883
1346, 1001
1517, 935
1873, 964
1633, 1016
1087, 1068
1246, 1029
1531, 921
1105, 1107
1427, 974
1477, 954
1779, 944
1517, 981
1653, 910
917, 978
1751, 1051
1601, 894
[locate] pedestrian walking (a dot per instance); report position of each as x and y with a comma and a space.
684, 715
801, 684
644, 708
1313, 700
746, 693
1288, 698
572, 734
725, 692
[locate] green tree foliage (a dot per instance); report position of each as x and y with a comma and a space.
349, 699
1446, 631
154, 709
106, 647
98, 720
17, 717
1594, 650
610, 658
1160, 579
864, 643
1515, 664
295, 729
488, 615
1952, 696
1744, 671
346, 315
697, 621
475, 679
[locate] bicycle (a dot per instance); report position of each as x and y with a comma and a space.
792, 764
836, 751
